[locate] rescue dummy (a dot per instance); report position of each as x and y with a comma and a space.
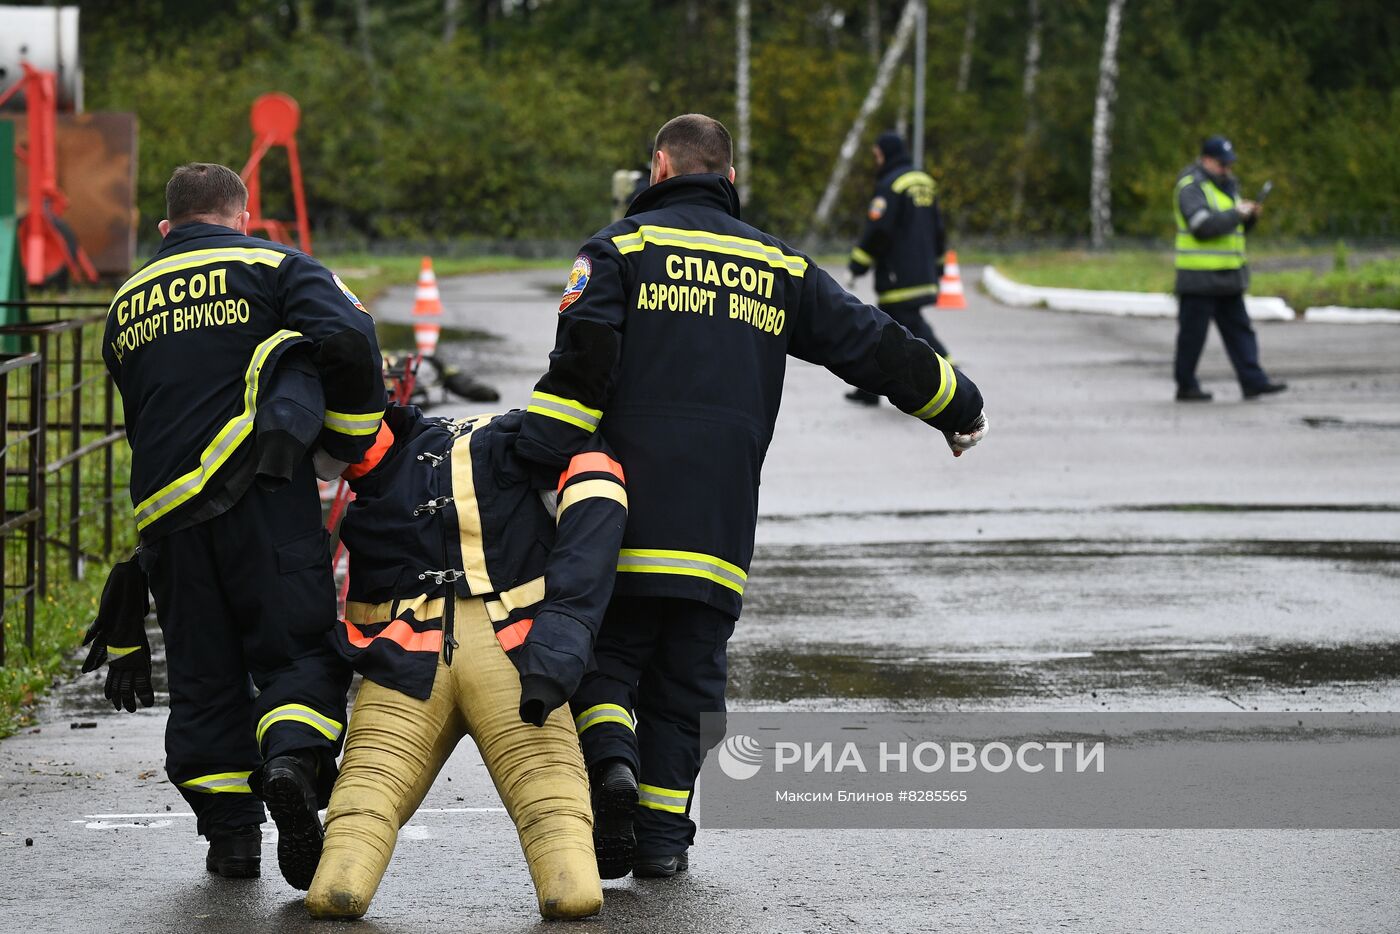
477, 585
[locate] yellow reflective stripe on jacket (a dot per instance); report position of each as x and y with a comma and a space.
862, 257
947, 386
300, 713
912, 178
570, 411
663, 799
710, 243
588, 489
253, 256
351, 423
220, 783
120, 651
686, 563
1225, 252
604, 713
217, 452
895, 296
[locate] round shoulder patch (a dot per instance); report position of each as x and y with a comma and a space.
348, 294
877, 208
579, 275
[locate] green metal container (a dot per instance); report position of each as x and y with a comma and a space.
11, 270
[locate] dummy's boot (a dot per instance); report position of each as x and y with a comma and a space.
361, 831
614, 800
236, 854
566, 883
289, 790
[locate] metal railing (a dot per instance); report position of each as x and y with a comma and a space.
20, 384
73, 427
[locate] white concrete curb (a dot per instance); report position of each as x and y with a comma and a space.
1336, 314
1122, 304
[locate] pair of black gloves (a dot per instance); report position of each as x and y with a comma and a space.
118, 637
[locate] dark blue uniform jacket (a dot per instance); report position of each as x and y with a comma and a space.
673, 337
192, 340
903, 237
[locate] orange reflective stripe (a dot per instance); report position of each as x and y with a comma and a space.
515, 634
382, 443
400, 632
591, 462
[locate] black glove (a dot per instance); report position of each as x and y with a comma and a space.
118, 637
539, 697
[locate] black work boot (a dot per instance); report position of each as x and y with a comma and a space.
660, 867
614, 791
863, 397
1193, 394
288, 787
1268, 389
236, 854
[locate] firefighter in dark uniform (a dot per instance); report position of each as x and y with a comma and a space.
240, 570
1212, 274
674, 333
477, 585
905, 242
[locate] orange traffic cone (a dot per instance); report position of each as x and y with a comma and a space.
950, 290
427, 310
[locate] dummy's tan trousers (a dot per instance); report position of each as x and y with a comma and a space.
396, 746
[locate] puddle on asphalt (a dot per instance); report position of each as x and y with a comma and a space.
760, 673
1351, 424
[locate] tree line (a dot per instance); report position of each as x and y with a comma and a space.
504, 119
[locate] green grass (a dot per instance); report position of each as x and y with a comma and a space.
1374, 284
1124, 270
1370, 285
59, 623
368, 275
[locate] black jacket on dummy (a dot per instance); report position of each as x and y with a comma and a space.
191, 341
903, 237
673, 338
446, 509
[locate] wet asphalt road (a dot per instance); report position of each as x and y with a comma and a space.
1104, 549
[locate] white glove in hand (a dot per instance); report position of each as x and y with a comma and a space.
961, 441
328, 468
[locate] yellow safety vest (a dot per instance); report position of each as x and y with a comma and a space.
1218, 253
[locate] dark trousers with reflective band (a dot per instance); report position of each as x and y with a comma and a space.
245, 601
663, 660
910, 315
1194, 315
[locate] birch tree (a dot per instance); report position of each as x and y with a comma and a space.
451, 12
969, 40
1100, 202
741, 81
883, 76
1029, 78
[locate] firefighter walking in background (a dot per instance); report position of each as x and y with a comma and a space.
1212, 274
229, 515
673, 338
905, 242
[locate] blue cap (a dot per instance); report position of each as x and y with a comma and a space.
1218, 147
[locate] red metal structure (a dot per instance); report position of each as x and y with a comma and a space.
275, 118
44, 249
